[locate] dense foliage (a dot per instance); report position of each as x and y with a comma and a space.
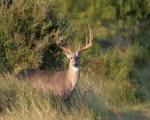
27, 30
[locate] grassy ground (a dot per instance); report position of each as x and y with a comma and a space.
19, 101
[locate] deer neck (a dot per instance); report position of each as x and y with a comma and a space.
73, 75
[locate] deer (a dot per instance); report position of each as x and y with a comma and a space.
58, 83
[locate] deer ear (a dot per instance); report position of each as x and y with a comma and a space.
68, 55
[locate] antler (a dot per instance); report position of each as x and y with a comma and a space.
58, 42
89, 41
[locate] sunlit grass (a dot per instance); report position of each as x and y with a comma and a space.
18, 101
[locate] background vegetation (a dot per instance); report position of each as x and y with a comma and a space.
116, 68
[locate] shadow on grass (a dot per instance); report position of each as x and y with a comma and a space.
93, 102
133, 116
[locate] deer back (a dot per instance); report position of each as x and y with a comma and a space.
53, 82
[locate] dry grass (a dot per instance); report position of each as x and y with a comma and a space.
19, 101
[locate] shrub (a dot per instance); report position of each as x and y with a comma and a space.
27, 30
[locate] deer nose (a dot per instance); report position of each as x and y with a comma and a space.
76, 64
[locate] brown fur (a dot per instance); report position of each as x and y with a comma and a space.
56, 83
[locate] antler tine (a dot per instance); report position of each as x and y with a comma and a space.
89, 41
58, 38
58, 42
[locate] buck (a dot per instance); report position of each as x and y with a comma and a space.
60, 83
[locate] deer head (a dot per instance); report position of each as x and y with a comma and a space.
74, 57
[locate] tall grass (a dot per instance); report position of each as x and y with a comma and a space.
18, 100
91, 100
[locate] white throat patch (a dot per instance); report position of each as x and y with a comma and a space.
75, 77
76, 69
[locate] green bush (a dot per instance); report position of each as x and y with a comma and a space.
27, 30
